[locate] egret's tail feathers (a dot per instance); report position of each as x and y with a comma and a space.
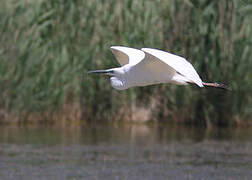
216, 85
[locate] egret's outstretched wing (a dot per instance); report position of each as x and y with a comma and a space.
152, 70
178, 63
126, 55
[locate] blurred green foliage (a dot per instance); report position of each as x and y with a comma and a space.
46, 46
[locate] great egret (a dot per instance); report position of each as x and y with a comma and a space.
151, 66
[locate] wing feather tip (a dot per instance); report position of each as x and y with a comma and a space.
115, 47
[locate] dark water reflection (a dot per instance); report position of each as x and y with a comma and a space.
125, 152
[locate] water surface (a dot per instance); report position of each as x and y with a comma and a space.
125, 152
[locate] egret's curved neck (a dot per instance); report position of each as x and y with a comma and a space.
119, 79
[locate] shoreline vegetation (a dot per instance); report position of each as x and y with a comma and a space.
47, 46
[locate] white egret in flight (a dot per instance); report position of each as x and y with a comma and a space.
151, 66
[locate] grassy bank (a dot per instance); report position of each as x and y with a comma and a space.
46, 46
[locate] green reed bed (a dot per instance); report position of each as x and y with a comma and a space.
46, 46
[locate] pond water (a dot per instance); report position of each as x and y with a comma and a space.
125, 152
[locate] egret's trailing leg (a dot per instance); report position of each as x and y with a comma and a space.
216, 85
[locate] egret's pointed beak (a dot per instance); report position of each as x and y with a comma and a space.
106, 72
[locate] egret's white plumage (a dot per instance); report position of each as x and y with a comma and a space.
151, 66
125, 55
177, 63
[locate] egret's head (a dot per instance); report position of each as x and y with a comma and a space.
117, 72
118, 80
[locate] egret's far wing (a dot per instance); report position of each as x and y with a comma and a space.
126, 55
151, 70
178, 63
